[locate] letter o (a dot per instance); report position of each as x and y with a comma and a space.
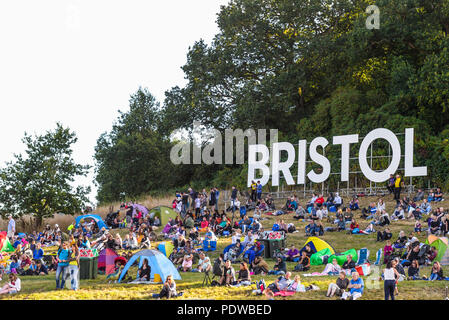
395, 160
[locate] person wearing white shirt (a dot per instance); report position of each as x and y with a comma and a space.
11, 227
337, 200
390, 274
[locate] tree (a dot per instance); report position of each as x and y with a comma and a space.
40, 183
133, 158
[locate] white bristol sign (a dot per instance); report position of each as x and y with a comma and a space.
260, 162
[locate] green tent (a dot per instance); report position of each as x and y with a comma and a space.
163, 213
441, 244
317, 258
342, 257
5, 245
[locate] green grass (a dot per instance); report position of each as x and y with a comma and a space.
43, 287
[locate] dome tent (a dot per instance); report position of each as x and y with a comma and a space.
163, 213
158, 262
98, 220
317, 244
441, 244
166, 248
5, 245
106, 260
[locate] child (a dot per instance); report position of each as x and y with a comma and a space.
187, 263
418, 227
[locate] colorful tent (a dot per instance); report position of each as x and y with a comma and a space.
106, 260
163, 213
98, 220
441, 244
141, 208
158, 262
5, 245
317, 244
166, 248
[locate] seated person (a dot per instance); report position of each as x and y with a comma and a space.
354, 204
228, 275
300, 213
295, 285
385, 235
144, 271
438, 195
244, 277
419, 196
332, 268
280, 283
349, 264
425, 207
413, 271
303, 263
187, 262
292, 254
402, 239
279, 268
204, 264
339, 287
259, 266
436, 273
233, 252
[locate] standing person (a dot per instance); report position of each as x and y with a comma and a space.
398, 184
11, 227
217, 197
390, 274
259, 190
212, 199
233, 198
253, 190
74, 266
63, 256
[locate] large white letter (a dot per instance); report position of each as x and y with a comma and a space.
253, 165
320, 159
282, 166
345, 142
395, 160
302, 149
410, 170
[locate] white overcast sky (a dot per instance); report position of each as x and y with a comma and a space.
77, 62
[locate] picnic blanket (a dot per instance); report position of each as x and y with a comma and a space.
284, 293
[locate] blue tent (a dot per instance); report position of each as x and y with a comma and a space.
97, 219
158, 262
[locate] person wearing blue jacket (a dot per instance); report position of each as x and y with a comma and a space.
259, 190
38, 253
63, 257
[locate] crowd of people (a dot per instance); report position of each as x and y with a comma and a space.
199, 224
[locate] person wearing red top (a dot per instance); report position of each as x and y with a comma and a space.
204, 225
354, 226
319, 201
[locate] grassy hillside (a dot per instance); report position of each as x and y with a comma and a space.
191, 283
